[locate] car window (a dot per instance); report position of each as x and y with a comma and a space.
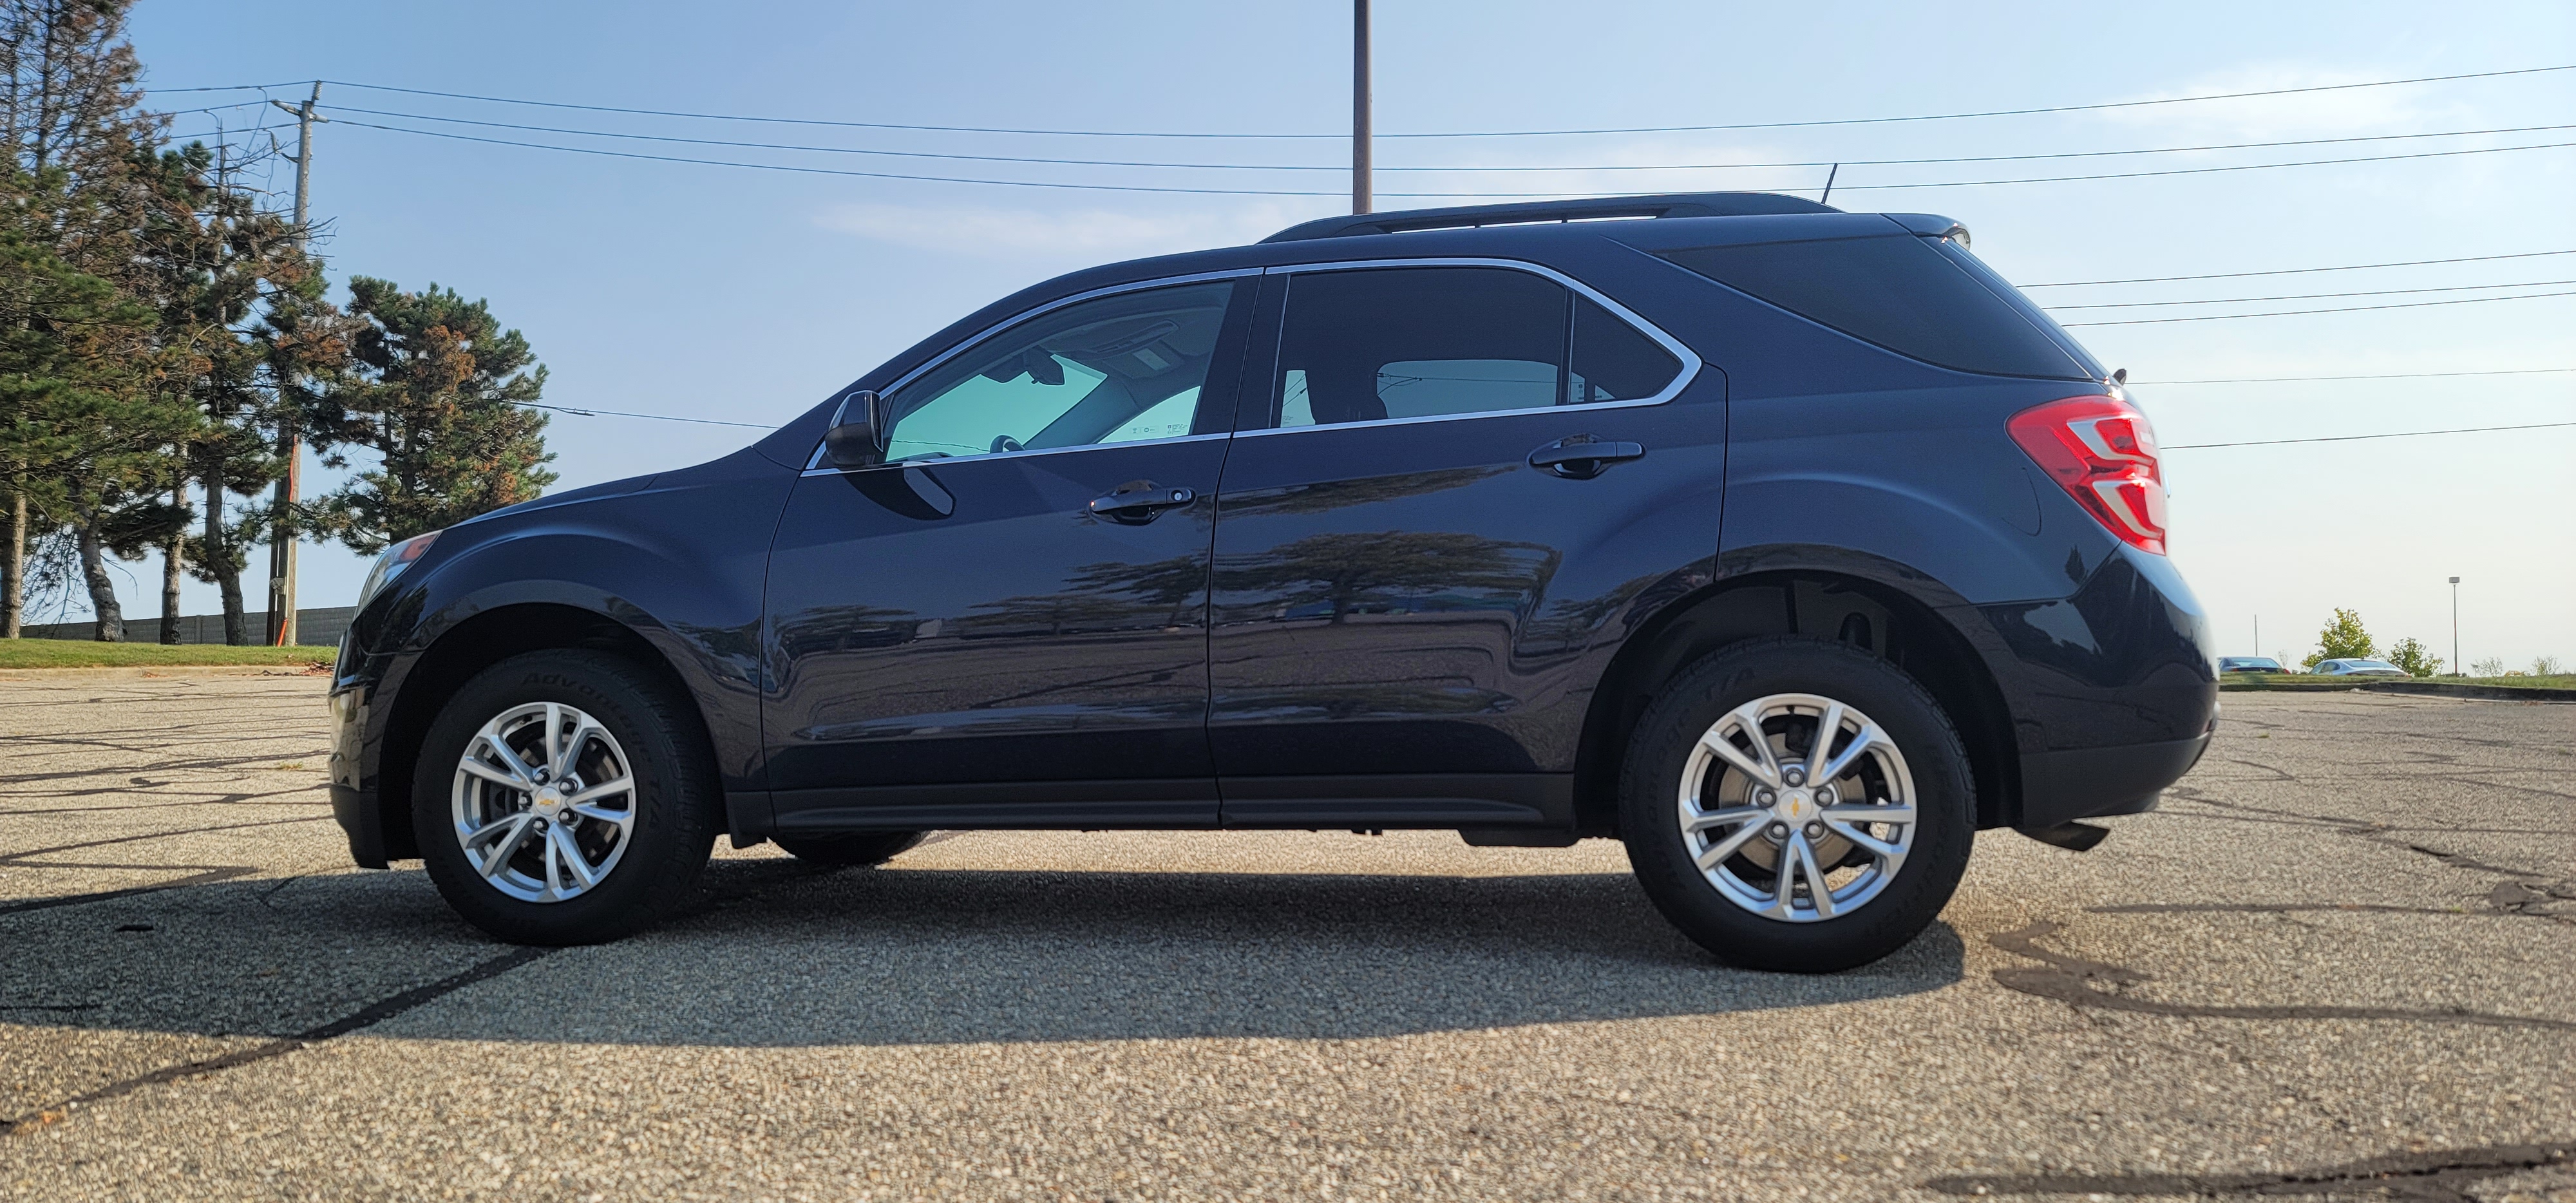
1900, 293
1420, 342
1118, 369
1614, 361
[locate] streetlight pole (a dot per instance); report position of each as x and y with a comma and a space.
2457, 669
1361, 168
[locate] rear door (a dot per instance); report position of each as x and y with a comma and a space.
1451, 483
1005, 624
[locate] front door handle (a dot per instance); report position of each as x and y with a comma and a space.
1140, 501
1583, 456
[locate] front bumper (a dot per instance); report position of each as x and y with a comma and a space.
353, 801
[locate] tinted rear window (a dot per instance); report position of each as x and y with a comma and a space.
1899, 292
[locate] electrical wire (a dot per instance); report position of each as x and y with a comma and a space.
2310, 296
2221, 317
1331, 167
1658, 129
888, 175
2353, 438
2385, 376
2294, 271
612, 413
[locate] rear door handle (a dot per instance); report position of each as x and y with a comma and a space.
1139, 502
1583, 456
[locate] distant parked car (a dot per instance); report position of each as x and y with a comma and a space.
2357, 668
2249, 664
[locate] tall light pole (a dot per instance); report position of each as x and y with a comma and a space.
1361, 168
2457, 669
290, 441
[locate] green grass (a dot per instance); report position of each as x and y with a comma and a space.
82, 653
2311, 681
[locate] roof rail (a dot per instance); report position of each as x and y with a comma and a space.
1670, 204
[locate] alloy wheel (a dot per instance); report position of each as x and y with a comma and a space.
1797, 807
544, 802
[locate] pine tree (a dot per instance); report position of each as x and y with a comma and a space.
435, 388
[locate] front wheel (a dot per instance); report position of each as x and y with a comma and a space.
563, 797
1798, 805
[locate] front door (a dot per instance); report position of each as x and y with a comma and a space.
1005, 623
1453, 485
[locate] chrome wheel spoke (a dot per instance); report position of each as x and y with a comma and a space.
1819, 894
500, 855
605, 789
616, 818
1851, 831
497, 776
572, 745
1862, 741
1724, 749
1719, 851
1827, 728
509, 758
1784, 875
568, 850
1861, 813
1727, 817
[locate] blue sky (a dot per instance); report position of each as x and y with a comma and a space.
746, 295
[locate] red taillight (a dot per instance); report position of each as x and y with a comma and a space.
2103, 453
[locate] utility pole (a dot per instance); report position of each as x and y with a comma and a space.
1361, 168
2457, 669
290, 441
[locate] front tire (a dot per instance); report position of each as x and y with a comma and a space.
564, 797
1766, 866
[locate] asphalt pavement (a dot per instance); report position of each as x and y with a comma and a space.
2340, 961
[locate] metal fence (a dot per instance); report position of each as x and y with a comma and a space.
318, 626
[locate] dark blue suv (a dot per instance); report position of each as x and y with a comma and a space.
1789, 546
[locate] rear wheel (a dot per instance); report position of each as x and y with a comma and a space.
1796, 804
563, 797
859, 848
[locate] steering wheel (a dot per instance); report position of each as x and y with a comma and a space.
1004, 442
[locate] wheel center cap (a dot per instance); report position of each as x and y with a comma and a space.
549, 801
1795, 806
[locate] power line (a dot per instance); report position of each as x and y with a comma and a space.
2293, 271
923, 154
612, 413
2349, 438
2309, 296
889, 175
1538, 133
2220, 317
2384, 376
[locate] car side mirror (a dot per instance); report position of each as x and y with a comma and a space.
859, 432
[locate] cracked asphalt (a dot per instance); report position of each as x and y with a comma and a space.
2340, 962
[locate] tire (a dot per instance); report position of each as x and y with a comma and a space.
1877, 897
857, 849
645, 844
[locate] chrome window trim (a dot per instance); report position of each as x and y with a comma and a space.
1690, 360
814, 463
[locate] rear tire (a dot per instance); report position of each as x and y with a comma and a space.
501, 815
855, 850
1737, 858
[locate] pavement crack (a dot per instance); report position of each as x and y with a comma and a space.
367, 1016
2438, 1176
2070, 980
